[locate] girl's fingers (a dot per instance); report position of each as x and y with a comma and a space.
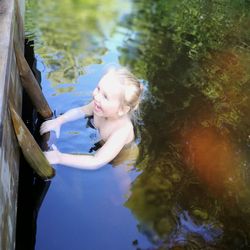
54, 147
49, 126
45, 127
43, 130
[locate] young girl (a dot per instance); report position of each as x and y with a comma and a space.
115, 99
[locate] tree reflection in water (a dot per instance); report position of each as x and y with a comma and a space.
193, 192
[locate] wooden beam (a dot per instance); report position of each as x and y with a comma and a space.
19, 22
31, 85
31, 151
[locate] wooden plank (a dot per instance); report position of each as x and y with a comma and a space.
6, 28
31, 85
9, 153
9, 175
19, 22
30, 148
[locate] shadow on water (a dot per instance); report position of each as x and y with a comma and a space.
193, 188
32, 189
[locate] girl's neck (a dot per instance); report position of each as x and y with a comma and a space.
117, 118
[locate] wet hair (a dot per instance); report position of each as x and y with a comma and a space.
132, 89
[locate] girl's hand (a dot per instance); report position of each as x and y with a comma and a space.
53, 156
51, 125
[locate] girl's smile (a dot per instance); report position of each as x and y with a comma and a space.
97, 107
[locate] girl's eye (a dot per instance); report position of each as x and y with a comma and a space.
106, 97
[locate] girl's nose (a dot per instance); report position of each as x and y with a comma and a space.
96, 95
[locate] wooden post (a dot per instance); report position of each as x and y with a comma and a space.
31, 85
30, 148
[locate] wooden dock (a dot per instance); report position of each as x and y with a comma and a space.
15, 75
10, 85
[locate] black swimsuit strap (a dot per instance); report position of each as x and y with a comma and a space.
90, 120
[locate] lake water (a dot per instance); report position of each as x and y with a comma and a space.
189, 188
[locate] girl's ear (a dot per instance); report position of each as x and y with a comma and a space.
123, 110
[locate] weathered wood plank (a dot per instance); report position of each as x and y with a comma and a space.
8, 163
31, 85
6, 28
30, 148
19, 23
9, 149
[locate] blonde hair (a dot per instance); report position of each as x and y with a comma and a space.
132, 88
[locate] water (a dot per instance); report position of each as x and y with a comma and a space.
190, 186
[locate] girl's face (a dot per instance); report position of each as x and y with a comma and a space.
108, 96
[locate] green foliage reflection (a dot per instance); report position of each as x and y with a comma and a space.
196, 122
70, 35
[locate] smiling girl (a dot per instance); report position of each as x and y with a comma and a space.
115, 100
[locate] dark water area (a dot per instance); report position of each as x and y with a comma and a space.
190, 186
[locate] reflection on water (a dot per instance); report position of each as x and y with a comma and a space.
190, 185
71, 35
194, 190
187, 228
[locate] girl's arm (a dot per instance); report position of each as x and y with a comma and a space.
77, 113
71, 115
104, 155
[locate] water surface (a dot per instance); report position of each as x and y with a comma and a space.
190, 186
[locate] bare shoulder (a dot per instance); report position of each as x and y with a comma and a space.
127, 129
121, 135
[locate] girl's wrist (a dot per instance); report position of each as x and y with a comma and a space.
60, 120
59, 157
